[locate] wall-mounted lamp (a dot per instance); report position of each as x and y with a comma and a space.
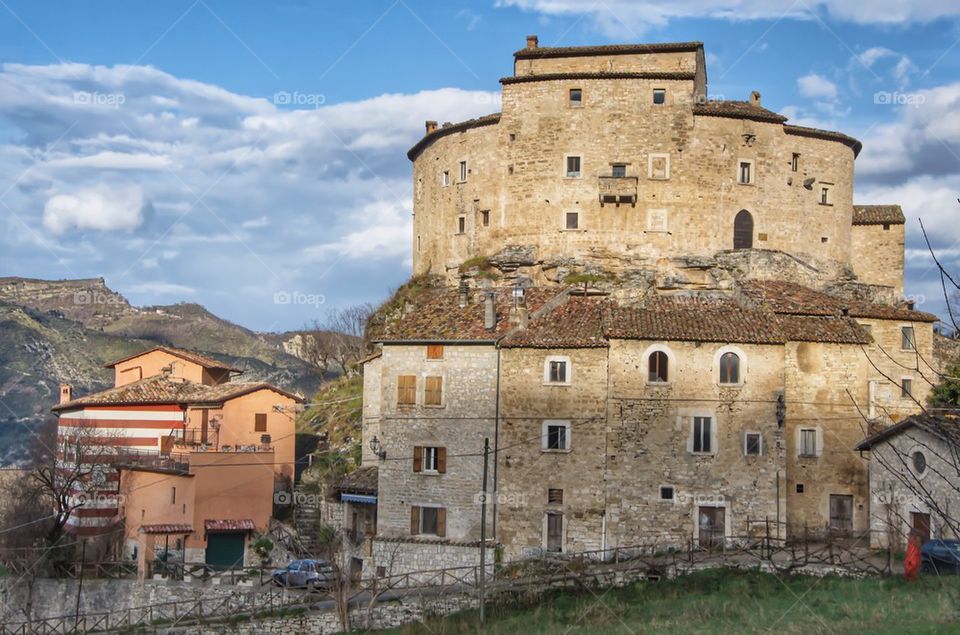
377, 448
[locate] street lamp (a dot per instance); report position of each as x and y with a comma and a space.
377, 448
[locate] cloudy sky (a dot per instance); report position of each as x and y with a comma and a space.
250, 156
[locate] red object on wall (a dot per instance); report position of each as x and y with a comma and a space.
911, 564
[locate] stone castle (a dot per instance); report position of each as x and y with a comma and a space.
665, 314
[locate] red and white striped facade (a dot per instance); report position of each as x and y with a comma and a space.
106, 430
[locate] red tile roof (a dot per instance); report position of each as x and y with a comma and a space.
794, 299
190, 356
607, 49
577, 323
878, 215
363, 480
241, 524
167, 528
737, 110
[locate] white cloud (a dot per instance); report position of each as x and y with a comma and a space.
162, 288
255, 223
101, 208
385, 234
816, 86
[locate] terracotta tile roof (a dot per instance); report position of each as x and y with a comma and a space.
436, 316
547, 77
446, 129
363, 480
828, 135
607, 49
794, 299
945, 428
737, 110
578, 323
167, 528
829, 330
162, 389
878, 215
240, 524
190, 356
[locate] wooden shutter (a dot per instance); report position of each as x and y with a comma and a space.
260, 422
414, 520
434, 351
407, 389
418, 458
433, 391
441, 522
442, 460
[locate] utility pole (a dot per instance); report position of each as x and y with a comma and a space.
83, 559
483, 532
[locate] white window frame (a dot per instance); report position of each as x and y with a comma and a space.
546, 370
445, 178
570, 101
671, 364
741, 380
826, 191
660, 497
566, 173
753, 171
818, 439
563, 220
463, 171
666, 220
434, 452
545, 436
658, 155
906, 396
913, 337
759, 435
713, 434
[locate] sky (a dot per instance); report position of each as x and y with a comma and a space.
251, 156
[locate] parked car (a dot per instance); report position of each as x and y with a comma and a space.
940, 557
309, 574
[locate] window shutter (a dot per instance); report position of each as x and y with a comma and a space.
418, 458
407, 389
414, 520
260, 422
442, 460
435, 351
441, 522
433, 391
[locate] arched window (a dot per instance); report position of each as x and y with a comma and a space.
743, 230
729, 368
658, 368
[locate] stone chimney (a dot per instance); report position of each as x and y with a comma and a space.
464, 294
431, 126
532, 41
519, 316
66, 393
755, 98
489, 311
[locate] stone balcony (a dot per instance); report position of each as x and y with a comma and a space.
618, 189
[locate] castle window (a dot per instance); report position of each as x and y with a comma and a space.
657, 366
808, 442
556, 436
666, 492
554, 496
799, 488
745, 173
463, 171
795, 162
461, 224
576, 97
743, 230
573, 166
824, 195
702, 434
485, 218
906, 338
752, 444
445, 178
619, 170
729, 368
659, 96
572, 220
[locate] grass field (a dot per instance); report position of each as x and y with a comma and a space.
729, 602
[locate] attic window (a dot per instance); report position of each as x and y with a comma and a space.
886, 227
576, 97
659, 96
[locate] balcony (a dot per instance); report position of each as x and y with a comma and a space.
618, 189
173, 462
195, 438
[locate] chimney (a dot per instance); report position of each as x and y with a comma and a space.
66, 393
755, 98
519, 316
431, 126
489, 312
532, 41
910, 304
464, 293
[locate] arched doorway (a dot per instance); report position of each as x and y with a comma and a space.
743, 230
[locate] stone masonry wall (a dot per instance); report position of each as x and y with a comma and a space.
877, 254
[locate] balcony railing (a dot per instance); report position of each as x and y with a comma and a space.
195, 438
151, 459
618, 189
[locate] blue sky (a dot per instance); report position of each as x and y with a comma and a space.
149, 143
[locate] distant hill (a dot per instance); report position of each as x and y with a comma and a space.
54, 332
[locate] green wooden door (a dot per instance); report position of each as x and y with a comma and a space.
225, 549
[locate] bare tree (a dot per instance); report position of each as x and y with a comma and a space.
340, 340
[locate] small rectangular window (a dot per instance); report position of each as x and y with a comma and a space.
576, 97
445, 178
431, 459
485, 218
659, 96
555, 496
558, 372
463, 171
666, 492
799, 488
824, 195
573, 166
461, 224
906, 338
407, 390
260, 422
906, 388
430, 521
434, 351
702, 431
173, 495
751, 444
795, 162
619, 170
572, 220
433, 391
808, 443
745, 175
557, 437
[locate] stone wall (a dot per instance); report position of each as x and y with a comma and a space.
877, 254
400, 556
